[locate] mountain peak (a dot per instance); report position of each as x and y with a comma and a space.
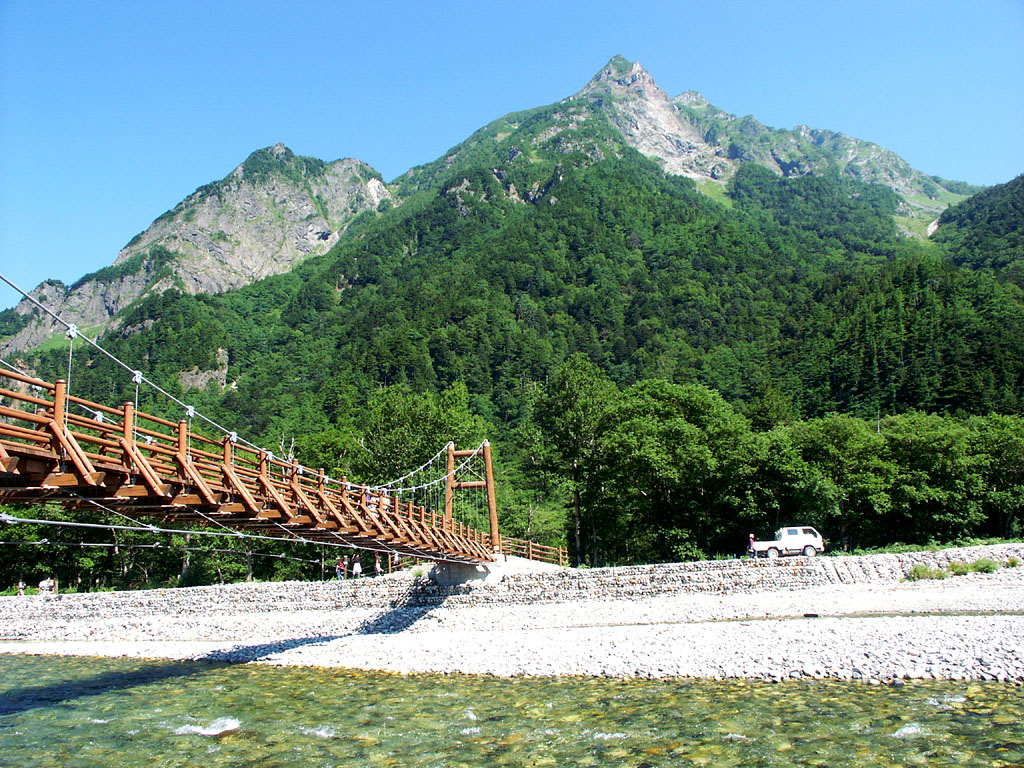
273, 211
620, 76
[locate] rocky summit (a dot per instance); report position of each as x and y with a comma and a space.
270, 213
691, 137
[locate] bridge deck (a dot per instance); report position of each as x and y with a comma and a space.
143, 465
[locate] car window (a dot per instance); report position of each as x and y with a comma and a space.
792, 531
810, 531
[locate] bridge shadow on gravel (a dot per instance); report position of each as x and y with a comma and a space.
400, 616
243, 654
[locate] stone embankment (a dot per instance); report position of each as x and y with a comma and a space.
731, 618
558, 585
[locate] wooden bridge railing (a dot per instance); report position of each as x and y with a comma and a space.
533, 551
143, 464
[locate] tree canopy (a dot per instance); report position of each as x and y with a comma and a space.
657, 372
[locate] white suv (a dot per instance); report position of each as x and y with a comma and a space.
794, 540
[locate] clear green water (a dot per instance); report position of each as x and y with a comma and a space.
115, 712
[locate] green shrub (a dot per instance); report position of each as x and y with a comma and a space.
984, 565
959, 569
1013, 562
922, 571
687, 551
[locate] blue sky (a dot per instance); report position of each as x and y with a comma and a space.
113, 112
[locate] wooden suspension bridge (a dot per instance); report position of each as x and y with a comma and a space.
141, 465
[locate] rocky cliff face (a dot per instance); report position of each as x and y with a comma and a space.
651, 122
271, 212
690, 136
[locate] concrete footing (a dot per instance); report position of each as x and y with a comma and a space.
452, 574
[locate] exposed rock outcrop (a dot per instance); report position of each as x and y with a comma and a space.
691, 137
273, 211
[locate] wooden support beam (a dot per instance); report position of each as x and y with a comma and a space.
449, 487
133, 491
61, 480
380, 516
492, 505
148, 474
426, 534
191, 474
83, 467
235, 482
356, 514
390, 508
8, 463
271, 491
333, 511
303, 500
183, 453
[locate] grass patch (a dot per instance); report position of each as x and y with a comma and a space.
60, 340
982, 565
921, 572
917, 226
898, 548
715, 191
959, 569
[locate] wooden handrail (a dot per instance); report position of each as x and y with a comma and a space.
150, 465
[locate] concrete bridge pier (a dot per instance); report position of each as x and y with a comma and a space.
452, 574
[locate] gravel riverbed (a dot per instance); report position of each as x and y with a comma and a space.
965, 627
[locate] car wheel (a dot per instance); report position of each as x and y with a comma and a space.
773, 554
810, 551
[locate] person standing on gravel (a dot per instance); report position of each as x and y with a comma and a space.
357, 567
750, 546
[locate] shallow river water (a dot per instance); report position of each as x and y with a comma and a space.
58, 711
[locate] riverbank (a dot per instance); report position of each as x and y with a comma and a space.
744, 619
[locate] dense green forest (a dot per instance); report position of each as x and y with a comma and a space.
987, 231
658, 372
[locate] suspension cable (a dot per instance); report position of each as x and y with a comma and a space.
155, 545
72, 333
138, 378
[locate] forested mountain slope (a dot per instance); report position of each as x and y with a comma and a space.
803, 287
987, 231
670, 369
276, 209
456, 314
